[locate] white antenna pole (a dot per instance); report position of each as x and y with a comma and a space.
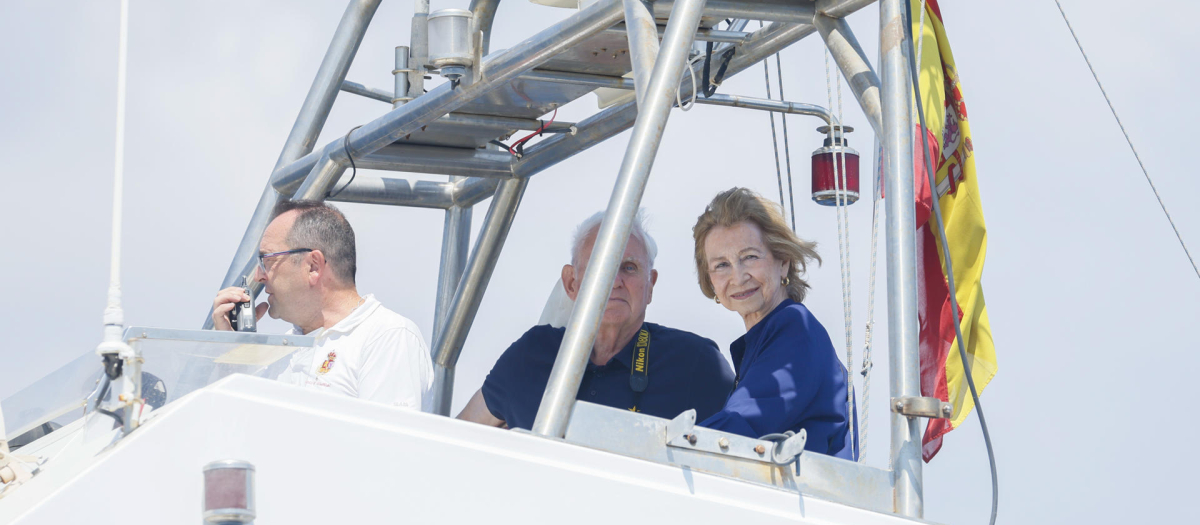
114, 316
128, 385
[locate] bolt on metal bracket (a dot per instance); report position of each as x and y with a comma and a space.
930, 407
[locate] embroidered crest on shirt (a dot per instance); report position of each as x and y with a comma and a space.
328, 364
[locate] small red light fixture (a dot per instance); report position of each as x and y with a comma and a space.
824, 190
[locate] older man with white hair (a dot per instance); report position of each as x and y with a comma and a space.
634, 365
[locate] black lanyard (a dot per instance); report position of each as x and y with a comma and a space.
639, 373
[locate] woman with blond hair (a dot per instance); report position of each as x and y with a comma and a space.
788, 374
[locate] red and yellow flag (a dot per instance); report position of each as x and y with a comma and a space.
952, 154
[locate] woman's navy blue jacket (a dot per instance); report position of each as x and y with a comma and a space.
788, 378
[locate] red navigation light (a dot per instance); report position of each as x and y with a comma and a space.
824, 191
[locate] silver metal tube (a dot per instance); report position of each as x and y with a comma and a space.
447, 345
456, 244
583, 79
841, 8
304, 133
320, 180
776, 106
400, 78
364, 91
388, 191
563, 385
483, 13
441, 100
614, 120
728, 37
437, 160
472, 191
769, 10
855, 66
904, 368
642, 33
419, 52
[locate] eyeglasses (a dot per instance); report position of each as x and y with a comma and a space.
262, 257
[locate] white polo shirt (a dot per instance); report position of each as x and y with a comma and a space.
374, 353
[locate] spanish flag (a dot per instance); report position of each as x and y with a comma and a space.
952, 154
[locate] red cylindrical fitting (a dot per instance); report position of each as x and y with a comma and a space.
825, 188
229, 492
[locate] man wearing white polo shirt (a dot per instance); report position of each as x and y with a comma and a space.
307, 265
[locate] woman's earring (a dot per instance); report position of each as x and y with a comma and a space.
785, 280
717, 299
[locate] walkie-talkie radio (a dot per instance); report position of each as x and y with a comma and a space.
242, 316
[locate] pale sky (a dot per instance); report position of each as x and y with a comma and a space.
1092, 301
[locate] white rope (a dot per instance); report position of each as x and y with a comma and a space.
691, 69
1127, 139
843, 221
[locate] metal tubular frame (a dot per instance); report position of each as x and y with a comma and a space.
614, 120
563, 384
305, 131
460, 315
456, 243
478, 174
364, 91
441, 100
767, 10
903, 357
855, 67
776, 106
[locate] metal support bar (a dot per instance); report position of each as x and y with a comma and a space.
456, 243
496, 73
437, 160
855, 66
472, 191
320, 180
903, 357
388, 191
304, 133
582, 79
841, 8
400, 77
447, 345
789, 11
364, 91
642, 33
419, 52
776, 106
563, 384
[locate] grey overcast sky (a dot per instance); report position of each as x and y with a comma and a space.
1093, 305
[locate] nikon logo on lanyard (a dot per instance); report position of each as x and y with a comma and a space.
639, 373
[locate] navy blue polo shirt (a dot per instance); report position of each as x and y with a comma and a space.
789, 378
685, 371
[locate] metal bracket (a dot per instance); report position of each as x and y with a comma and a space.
682, 424
721, 443
930, 407
788, 450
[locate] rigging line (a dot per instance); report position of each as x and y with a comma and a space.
774, 140
787, 150
1127, 139
866, 359
845, 196
941, 228
839, 188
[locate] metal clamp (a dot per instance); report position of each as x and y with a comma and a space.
930, 407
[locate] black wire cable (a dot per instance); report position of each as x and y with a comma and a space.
937, 213
353, 168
